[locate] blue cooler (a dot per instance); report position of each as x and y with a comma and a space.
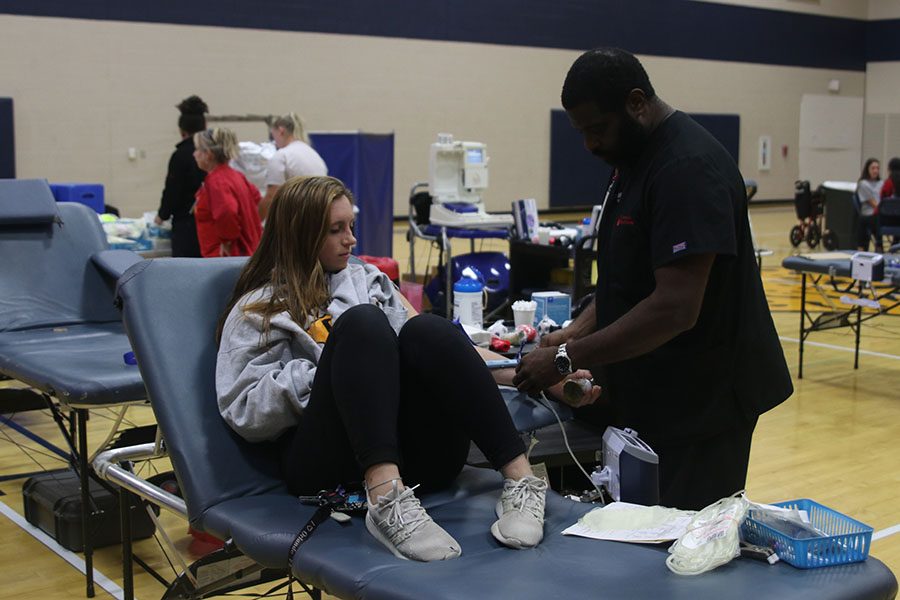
89, 194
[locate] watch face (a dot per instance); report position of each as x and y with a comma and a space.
563, 364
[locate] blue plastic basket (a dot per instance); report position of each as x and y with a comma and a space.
847, 540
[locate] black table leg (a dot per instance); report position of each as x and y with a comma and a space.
125, 500
802, 317
86, 511
858, 331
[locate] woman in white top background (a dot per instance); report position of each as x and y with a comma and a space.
868, 190
293, 158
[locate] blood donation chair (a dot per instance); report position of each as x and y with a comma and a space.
233, 490
60, 333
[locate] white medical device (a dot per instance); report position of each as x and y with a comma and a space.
457, 177
867, 266
630, 470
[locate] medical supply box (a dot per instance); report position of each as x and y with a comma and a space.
89, 194
556, 305
53, 505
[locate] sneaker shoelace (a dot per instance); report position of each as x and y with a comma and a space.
404, 515
527, 494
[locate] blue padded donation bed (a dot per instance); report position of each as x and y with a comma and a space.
233, 490
60, 332
816, 268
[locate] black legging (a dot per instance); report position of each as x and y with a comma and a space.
184, 237
416, 400
867, 229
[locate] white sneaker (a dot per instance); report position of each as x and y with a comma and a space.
521, 512
398, 521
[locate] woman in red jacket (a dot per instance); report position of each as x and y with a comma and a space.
226, 210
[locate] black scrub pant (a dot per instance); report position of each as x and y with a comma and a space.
693, 474
184, 237
416, 400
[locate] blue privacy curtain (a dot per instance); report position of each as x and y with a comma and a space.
7, 140
365, 163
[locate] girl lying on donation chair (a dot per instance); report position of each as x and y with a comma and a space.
317, 355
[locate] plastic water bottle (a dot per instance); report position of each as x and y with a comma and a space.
468, 302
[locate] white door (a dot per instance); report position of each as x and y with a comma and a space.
831, 131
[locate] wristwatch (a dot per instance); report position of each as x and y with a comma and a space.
562, 361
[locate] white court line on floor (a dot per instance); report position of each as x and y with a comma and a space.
841, 348
99, 578
779, 234
885, 532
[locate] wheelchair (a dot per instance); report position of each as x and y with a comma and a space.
809, 206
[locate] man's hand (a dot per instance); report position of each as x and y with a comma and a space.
556, 391
158, 220
560, 336
537, 371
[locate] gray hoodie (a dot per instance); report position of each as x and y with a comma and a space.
263, 385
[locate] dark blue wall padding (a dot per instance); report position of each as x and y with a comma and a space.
881, 40
365, 163
7, 140
725, 128
658, 27
578, 178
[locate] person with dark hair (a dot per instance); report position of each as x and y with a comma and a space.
868, 192
892, 181
679, 333
887, 216
183, 179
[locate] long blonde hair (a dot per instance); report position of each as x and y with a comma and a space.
287, 258
221, 141
293, 125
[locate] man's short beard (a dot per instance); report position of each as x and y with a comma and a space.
632, 140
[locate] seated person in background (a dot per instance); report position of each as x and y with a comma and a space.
868, 190
294, 157
227, 205
889, 190
317, 355
892, 181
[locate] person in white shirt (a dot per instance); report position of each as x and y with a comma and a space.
294, 157
868, 190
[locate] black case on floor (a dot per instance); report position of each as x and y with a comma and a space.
53, 504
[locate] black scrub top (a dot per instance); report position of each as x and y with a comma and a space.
684, 195
183, 179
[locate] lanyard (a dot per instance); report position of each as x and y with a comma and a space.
609, 189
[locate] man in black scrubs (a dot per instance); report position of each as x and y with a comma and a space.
680, 333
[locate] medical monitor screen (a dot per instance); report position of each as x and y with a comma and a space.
474, 157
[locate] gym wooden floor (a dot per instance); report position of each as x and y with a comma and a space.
835, 440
